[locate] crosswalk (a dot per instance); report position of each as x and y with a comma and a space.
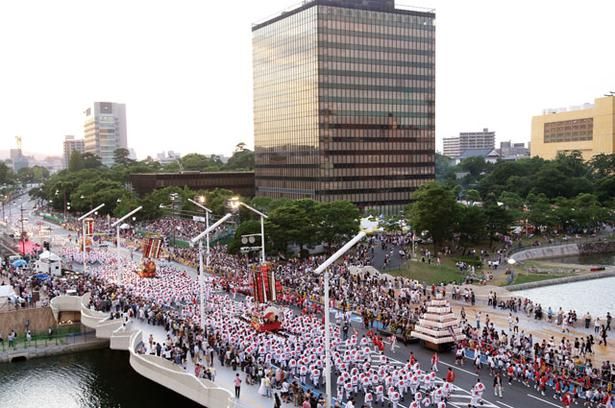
459, 397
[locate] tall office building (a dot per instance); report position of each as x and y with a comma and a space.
344, 102
589, 129
71, 145
104, 130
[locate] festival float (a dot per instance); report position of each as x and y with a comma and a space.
270, 320
151, 250
265, 289
438, 329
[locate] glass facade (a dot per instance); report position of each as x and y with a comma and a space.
344, 103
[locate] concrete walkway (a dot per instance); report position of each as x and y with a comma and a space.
224, 375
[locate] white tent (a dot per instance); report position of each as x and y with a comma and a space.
49, 257
49, 263
6, 293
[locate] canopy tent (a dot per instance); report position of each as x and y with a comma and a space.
6, 291
49, 257
19, 263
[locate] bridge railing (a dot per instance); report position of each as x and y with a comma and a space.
42, 341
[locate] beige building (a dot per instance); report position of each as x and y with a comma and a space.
589, 129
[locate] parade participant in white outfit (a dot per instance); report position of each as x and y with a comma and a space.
395, 399
368, 399
380, 394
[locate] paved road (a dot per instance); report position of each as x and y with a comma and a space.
515, 396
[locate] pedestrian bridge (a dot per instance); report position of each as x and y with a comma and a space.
155, 368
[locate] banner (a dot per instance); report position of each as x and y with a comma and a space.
89, 226
151, 247
265, 287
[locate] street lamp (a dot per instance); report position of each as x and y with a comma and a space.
117, 225
201, 275
199, 239
324, 267
82, 219
235, 203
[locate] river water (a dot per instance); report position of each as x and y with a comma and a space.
91, 379
597, 259
593, 296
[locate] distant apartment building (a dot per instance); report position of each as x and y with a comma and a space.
167, 157
104, 130
455, 147
452, 148
589, 128
72, 145
18, 160
513, 151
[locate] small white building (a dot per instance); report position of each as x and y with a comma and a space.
49, 263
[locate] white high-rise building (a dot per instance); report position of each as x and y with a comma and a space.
70, 145
104, 130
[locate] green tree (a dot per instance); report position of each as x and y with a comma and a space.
434, 210
217, 200
241, 160
471, 223
337, 221
75, 163
286, 225
91, 161
498, 219
121, 157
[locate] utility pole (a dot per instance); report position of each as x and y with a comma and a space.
23, 241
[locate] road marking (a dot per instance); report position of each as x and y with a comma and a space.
506, 405
460, 369
545, 401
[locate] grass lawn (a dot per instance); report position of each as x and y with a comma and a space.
429, 273
536, 277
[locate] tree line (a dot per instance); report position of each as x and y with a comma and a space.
476, 200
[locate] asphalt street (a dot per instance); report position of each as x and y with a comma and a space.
515, 396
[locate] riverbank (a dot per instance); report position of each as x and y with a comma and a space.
53, 347
559, 281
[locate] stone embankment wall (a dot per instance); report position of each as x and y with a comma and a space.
40, 318
546, 252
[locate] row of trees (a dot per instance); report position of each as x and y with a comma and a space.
568, 175
23, 176
87, 182
300, 222
436, 209
242, 159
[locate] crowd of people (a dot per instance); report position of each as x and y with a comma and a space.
293, 363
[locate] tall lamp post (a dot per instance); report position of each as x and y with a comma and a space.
117, 224
201, 275
324, 267
199, 239
82, 219
235, 203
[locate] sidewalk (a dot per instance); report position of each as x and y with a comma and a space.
224, 375
540, 329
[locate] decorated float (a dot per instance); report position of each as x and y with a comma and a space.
438, 328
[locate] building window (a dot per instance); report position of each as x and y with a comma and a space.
569, 131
